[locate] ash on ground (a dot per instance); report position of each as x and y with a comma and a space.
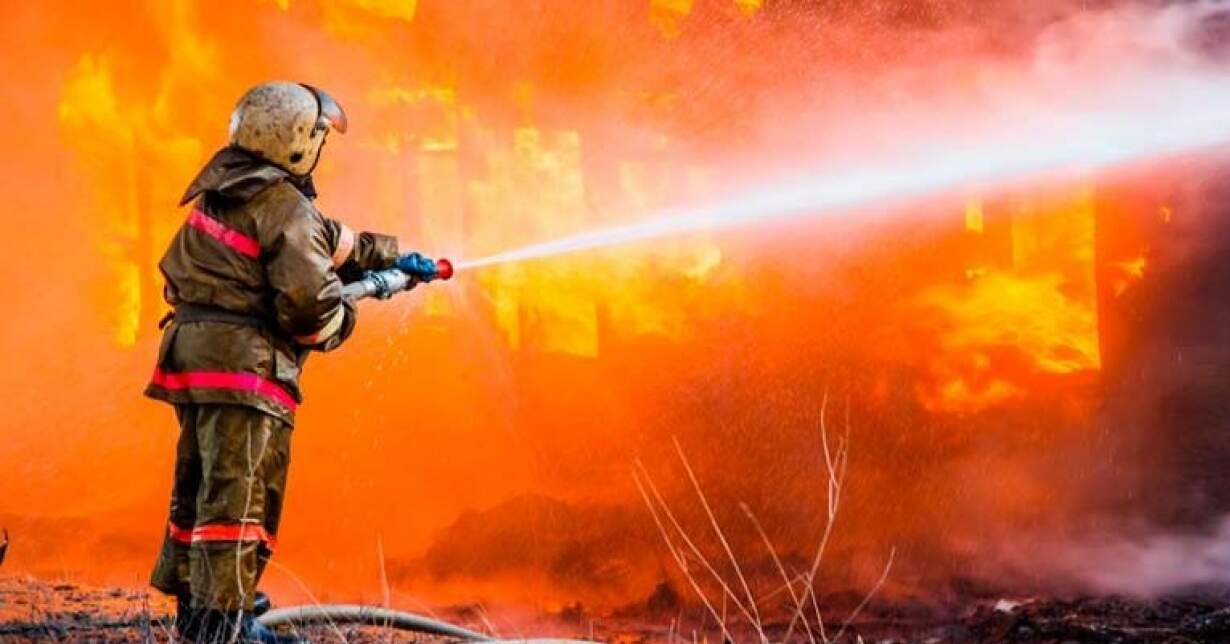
33, 610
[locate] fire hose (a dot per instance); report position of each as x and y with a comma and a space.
335, 614
371, 615
391, 281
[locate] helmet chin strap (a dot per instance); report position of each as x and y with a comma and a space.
329, 115
320, 148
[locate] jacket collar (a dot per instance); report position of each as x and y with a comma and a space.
237, 174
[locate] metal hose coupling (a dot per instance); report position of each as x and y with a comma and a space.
391, 281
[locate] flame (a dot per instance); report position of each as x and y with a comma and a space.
1001, 330
1126, 273
1133, 267
89, 105
1035, 315
510, 401
667, 15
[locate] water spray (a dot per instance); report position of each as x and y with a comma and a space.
1169, 116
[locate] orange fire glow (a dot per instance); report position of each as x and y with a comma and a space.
482, 431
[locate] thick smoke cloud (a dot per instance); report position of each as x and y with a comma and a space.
731, 349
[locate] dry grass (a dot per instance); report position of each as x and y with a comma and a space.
806, 615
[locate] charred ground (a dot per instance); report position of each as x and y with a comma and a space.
32, 610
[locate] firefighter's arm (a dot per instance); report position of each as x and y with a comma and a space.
307, 297
356, 253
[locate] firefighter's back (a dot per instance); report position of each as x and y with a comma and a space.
222, 345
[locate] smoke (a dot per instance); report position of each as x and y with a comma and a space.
482, 126
1089, 75
1154, 519
1152, 563
1122, 556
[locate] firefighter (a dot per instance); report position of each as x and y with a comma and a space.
254, 276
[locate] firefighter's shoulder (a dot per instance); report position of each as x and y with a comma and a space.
281, 209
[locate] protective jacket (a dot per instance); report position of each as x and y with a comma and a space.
255, 276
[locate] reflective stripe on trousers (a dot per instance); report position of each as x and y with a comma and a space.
230, 480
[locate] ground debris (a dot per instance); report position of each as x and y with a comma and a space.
1017, 620
32, 610
1104, 620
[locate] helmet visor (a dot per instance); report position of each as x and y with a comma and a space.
330, 111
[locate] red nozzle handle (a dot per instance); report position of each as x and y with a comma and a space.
444, 269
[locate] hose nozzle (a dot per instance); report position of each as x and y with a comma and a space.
444, 269
409, 271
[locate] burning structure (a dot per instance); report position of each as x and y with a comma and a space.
1025, 366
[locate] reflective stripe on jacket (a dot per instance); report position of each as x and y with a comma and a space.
254, 244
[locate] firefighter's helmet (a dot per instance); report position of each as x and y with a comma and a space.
286, 123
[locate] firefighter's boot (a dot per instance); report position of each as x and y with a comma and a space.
187, 620
219, 627
254, 632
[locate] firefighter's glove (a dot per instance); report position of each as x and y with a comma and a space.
415, 265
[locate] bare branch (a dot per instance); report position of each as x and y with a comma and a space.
798, 604
692, 545
704, 502
670, 546
836, 470
867, 599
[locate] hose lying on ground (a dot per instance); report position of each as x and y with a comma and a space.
377, 616
371, 615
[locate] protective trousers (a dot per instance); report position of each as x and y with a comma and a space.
230, 478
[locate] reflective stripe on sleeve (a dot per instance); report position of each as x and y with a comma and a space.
327, 331
345, 245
